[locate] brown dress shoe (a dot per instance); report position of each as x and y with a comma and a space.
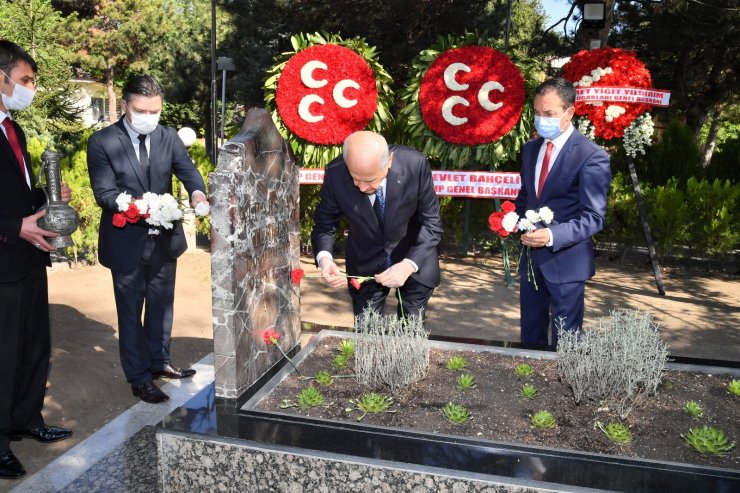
148, 392
170, 371
10, 467
43, 433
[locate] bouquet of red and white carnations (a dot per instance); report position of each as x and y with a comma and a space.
157, 210
508, 221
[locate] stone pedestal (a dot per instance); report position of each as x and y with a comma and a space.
254, 246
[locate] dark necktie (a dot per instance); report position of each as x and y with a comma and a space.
379, 207
14, 143
545, 168
143, 156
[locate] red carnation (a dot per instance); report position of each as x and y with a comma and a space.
494, 221
508, 206
132, 213
296, 275
355, 283
119, 220
271, 337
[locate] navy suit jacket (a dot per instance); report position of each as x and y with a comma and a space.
16, 202
413, 226
114, 168
575, 191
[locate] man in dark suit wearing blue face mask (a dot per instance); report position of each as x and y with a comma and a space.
137, 155
25, 343
569, 174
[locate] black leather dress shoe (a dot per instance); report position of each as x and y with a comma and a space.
10, 467
148, 392
170, 371
43, 433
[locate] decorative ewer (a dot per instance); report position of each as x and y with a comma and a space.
60, 217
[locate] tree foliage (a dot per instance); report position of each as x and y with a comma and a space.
39, 29
699, 66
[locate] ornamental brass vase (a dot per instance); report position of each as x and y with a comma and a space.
60, 217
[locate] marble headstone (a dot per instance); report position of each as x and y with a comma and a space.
254, 246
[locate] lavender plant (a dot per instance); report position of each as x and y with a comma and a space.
620, 359
390, 353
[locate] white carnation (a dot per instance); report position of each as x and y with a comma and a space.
142, 205
202, 209
546, 215
509, 221
526, 225
532, 216
122, 201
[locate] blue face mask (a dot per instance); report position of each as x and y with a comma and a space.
547, 128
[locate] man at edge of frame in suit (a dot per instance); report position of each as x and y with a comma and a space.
387, 195
568, 173
137, 155
25, 341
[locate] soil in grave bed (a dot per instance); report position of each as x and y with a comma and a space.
500, 414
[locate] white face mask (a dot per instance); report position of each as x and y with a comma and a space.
143, 123
21, 98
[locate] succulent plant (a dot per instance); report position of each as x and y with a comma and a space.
340, 361
733, 387
523, 370
372, 403
324, 378
528, 391
693, 409
466, 381
457, 363
310, 397
543, 419
708, 440
616, 432
456, 413
347, 348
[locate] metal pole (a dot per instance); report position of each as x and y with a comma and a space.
646, 227
508, 24
214, 93
223, 104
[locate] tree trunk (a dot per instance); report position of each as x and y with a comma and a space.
112, 110
585, 35
711, 138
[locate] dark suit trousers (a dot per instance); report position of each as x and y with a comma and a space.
414, 297
150, 287
562, 300
24, 352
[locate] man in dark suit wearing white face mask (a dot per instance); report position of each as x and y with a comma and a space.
137, 155
24, 305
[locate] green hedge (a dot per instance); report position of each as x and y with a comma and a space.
698, 218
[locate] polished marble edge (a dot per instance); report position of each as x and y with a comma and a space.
76, 461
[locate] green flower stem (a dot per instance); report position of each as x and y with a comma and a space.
400, 306
275, 343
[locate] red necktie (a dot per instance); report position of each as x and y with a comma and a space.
14, 143
545, 168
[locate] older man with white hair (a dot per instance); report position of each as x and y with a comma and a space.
386, 193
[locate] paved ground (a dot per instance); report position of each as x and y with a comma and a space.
700, 316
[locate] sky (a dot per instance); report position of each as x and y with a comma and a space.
555, 9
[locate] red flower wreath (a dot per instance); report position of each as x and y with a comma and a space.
472, 95
626, 71
340, 97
